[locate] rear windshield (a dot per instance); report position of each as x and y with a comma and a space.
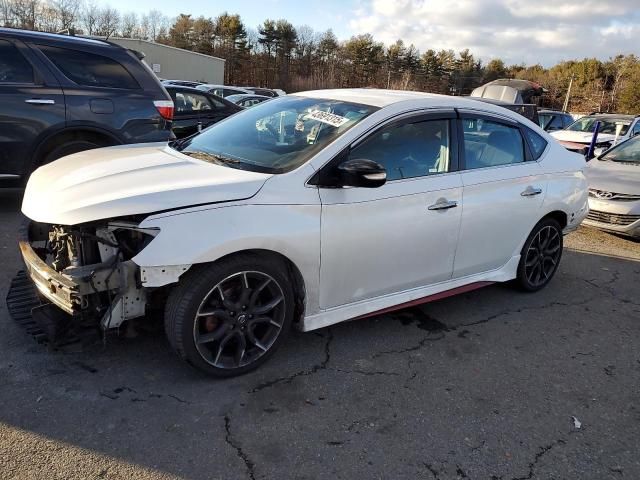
275, 136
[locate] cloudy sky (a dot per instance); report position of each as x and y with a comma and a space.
538, 31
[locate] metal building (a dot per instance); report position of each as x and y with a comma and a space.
175, 63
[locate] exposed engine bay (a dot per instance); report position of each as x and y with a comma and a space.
87, 270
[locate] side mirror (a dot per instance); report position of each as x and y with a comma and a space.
360, 172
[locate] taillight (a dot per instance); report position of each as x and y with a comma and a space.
165, 108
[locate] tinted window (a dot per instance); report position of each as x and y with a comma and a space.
409, 150
230, 91
89, 69
636, 129
568, 120
187, 102
14, 68
536, 143
556, 123
489, 144
217, 103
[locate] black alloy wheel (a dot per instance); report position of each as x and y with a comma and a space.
540, 255
239, 319
229, 317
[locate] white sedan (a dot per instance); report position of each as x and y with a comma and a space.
303, 211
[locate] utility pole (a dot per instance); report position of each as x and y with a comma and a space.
566, 99
388, 78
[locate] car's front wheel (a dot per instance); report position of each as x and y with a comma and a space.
540, 255
228, 318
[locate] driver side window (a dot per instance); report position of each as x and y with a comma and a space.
409, 150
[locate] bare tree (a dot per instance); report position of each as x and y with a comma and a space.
156, 21
89, 16
108, 22
48, 18
6, 15
128, 25
68, 12
143, 29
25, 13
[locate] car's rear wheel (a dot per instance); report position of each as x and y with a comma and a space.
540, 255
228, 318
69, 148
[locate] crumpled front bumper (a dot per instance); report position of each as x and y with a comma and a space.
54, 286
71, 289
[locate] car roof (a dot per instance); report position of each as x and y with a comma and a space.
247, 95
212, 85
383, 98
611, 115
55, 37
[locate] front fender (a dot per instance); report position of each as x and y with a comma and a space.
204, 236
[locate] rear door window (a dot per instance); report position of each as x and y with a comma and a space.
89, 69
491, 144
14, 68
537, 144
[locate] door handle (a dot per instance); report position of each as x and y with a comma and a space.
40, 101
530, 192
442, 204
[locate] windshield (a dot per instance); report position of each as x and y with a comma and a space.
275, 136
628, 151
607, 125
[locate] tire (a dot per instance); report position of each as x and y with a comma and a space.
68, 148
540, 256
214, 343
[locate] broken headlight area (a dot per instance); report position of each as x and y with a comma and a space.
87, 270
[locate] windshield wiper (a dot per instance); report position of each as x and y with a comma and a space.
212, 157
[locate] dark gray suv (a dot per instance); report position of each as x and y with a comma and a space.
61, 94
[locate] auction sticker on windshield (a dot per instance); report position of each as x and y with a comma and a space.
326, 117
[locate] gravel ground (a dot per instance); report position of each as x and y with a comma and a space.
493, 384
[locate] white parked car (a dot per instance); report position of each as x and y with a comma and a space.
614, 189
614, 129
306, 210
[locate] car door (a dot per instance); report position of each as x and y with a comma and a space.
102, 93
503, 192
402, 235
31, 102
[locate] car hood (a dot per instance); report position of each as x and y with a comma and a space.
614, 177
128, 180
581, 137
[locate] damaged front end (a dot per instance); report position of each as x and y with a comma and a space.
87, 270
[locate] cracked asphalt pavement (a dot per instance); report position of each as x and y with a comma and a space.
492, 384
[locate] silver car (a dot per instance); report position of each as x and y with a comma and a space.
614, 189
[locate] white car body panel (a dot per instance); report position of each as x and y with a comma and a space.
399, 250
581, 137
493, 202
123, 180
358, 250
620, 178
